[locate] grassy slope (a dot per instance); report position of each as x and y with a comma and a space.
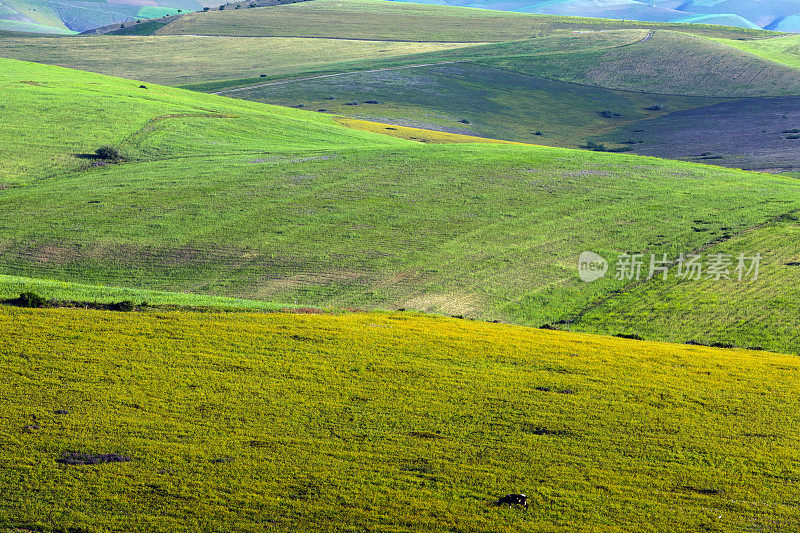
680, 311
668, 63
38, 12
277, 204
241, 422
475, 99
756, 138
61, 291
784, 50
143, 28
33, 28
85, 111
191, 59
377, 19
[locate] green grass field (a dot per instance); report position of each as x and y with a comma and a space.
17, 27
668, 63
683, 310
86, 111
63, 292
381, 20
192, 59
232, 198
476, 99
283, 376
384, 422
783, 49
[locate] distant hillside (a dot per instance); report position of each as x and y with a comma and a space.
397, 21
60, 16
782, 15
666, 63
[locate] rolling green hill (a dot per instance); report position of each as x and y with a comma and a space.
60, 16
770, 14
85, 111
383, 20
690, 310
383, 422
476, 99
556, 86
667, 63
232, 198
781, 49
222, 57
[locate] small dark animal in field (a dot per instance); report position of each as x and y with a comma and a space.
513, 499
143, 86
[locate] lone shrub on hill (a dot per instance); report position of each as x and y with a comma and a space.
125, 306
30, 299
109, 153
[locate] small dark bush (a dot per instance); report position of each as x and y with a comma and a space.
121, 26
125, 306
30, 299
263, 75
608, 114
631, 336
238, 7
653, 108
107, 152
538, 133
206, 9
222, 8
722, 345
464, 121
595, 147
791, 131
